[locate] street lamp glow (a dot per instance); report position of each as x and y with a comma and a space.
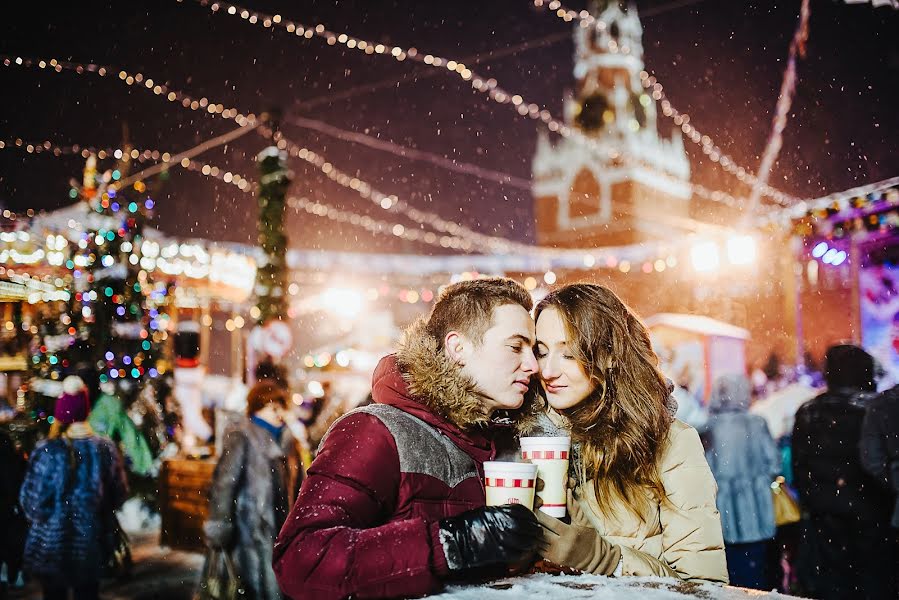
343, 302
741, 250
705, 256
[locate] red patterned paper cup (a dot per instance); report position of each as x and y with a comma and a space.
550, 454
510, 483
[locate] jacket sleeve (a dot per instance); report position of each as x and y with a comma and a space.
692, 540
337, 541
39, 488
219, 525
873, 450
801, 453
770, 453
116, 481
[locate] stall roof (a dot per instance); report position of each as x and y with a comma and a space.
12, 292
697, 324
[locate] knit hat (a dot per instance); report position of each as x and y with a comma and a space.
73, 405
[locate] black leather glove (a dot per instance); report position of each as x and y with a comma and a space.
489, 535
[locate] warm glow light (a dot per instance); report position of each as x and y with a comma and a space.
705, 256
342, 302
741, 250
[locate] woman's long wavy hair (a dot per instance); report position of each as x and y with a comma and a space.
623, 424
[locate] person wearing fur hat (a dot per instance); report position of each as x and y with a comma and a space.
394, 504
848, 545
74, 483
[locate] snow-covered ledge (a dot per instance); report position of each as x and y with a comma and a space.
597, 587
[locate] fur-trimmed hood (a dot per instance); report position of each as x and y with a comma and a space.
438, 382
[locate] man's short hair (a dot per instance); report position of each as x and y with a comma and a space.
467, 306
267, 369
264, 393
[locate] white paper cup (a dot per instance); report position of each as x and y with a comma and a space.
510, 483
550, 454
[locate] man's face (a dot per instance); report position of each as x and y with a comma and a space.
502, 364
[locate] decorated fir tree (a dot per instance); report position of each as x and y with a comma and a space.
271, 276
123, 303
110, 329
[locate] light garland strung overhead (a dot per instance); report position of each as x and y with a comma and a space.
470, 239
491, 87
132, 79
561, 258
624, 258
322, 209
235, 266
188, 101
682, 120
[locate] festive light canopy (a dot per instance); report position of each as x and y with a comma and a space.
867, 209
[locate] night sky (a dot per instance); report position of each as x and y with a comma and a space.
721, 62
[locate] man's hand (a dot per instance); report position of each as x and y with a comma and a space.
579, 545
489, 535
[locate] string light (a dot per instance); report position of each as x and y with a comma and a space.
589, 257
232, 113
682, 120
133, 79
491, 88
598, 257
709, 148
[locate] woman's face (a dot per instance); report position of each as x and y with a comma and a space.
564, 380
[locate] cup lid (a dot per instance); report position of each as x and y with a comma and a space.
522, 469
545, 443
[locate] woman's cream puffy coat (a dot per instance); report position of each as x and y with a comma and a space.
679, 538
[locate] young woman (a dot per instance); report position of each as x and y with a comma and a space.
75, 482
645, 499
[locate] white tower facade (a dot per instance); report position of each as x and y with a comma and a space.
608, 191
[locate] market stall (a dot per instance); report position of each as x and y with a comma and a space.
696, 350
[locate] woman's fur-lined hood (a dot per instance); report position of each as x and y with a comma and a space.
437, 382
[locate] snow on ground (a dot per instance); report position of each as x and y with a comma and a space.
597, 587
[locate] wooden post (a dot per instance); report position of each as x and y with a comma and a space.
205, 331
791, 282
237, 351
854, 271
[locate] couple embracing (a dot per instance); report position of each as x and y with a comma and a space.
394, 503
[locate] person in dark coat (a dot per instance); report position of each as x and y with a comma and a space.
849, 511
394, 505
12, 521
744, 460
880, 445
74, 483
254, 484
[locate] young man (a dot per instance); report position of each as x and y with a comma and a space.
394, 503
